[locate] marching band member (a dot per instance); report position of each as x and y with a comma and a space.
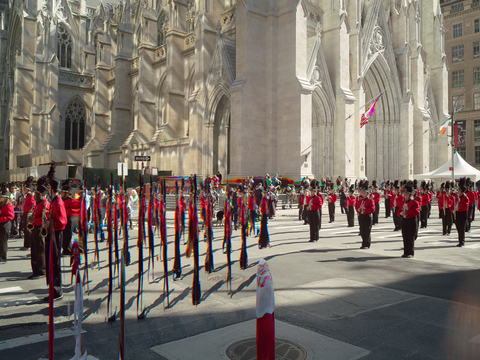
365, 208
388, 195
461, 212
315, 214
28, 205
7, 214
331, 199
408, 212
350, 205
375, 196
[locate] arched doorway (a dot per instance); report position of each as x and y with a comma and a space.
221, 134
322, 136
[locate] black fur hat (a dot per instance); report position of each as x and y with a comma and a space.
29, 183
447, 185
374, 184
4, 191
52, 180
43, 185
461, 184
351, 189
415, 183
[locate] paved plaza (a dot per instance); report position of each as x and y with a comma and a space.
333, 299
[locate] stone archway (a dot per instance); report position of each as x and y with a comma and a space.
221, 133
382, 155
322, 136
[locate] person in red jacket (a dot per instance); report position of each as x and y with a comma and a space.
37, 250
425, 200
408, 212
397, 199
365, 208
471, 207
388, 195
350, 206
264, 239
331, 198
56, 222
461, 212
315, 214
7, 214
28, 205
375, 196
72, 209
441, 196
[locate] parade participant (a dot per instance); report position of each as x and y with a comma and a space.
272, 202
14, 195
7, 214
243, 216
252, 211
72, 207
343, 200
365, 208
447, 209
408, 212
28, 205
39, 232
315, 214
350, 206
396, 201
305, 202
471, 207
425, 200
441, 195
460, 213
56, 221
264, 239
331, 198
388, 195
375, 196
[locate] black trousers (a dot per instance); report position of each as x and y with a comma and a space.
305, 215
331, 211
314, 222
375, 214
264, 239
4, 231
342, 206
446, 221
409, 229
429, 206
37, 251
54, 240
396, 219
351, 216
387, 208
424, 216
365, 222
26, 234
460, 221
471, 210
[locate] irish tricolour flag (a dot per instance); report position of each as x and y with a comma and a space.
444, 126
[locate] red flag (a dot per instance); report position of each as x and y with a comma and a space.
370, 111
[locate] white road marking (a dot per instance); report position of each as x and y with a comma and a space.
10, 289
36, 338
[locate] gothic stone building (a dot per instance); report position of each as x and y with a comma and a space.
240, 86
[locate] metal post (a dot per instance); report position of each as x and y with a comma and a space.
453, 147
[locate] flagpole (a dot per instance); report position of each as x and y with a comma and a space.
367, 102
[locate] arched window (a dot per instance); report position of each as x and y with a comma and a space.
162, 28
190, 17
75, 126
64, 47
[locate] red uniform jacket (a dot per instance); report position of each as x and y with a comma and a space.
350, 201
58, 214
412, 211
39, 211
29, 203
425, 199
397, 199
6, 213
316, 202
251, 202
442, 199
333, 198
450, 200
389, 194
376, 197
471, 197
365, 206
72, 206
462, 203
264, 206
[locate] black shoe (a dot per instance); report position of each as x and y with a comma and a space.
55, 297
364, 247
3, 262
311, 240
24, 249
404, 255
34, 276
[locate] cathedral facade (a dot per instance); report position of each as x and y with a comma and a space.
243, 87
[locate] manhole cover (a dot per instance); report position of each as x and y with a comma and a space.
284, 350
223, 277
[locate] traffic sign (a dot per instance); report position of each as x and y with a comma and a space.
142, 158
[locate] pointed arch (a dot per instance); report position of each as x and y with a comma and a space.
162, 28
64, 46
190, 18
75, 123
161, 101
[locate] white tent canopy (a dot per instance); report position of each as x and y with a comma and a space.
461, 169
